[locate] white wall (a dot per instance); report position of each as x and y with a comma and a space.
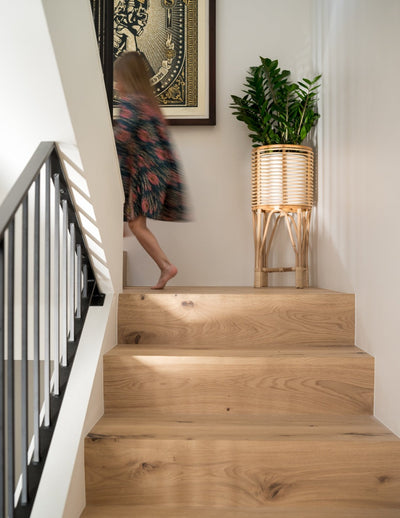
32, 104
52, 89
359, 183
216, 248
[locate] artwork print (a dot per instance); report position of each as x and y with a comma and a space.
165, 32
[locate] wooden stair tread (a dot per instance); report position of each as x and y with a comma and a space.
126, 350
235, 316
155, 511
229, 290
259, 428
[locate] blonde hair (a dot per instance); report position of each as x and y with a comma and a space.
131, 70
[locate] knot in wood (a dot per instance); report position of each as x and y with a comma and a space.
188, 304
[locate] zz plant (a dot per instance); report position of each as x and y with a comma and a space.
275, 110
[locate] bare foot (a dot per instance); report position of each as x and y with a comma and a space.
166, 274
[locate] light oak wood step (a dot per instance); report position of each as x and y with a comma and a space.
255, 352
224, 512
306, 463
228, 427
229, 317
336, 380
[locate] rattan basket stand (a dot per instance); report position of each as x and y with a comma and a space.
282, 189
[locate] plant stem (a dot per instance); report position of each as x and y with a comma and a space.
302, 115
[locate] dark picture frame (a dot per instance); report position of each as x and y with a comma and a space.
209, 82
177, 40
103, 17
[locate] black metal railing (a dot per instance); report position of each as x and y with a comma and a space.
46, 287
103, 17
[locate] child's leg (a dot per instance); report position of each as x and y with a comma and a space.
149, 242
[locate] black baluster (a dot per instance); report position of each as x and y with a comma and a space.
56, 292
10, 370
36, 325
79, 282
71, 293
64, 283
2, 394
24, 353
47, 297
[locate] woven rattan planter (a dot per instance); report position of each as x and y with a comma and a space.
282, 188
282, 176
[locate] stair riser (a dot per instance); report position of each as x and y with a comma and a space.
229, 320
243, 386
242, 473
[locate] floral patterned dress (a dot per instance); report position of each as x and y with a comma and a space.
150, 174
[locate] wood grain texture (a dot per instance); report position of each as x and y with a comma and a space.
239, 402
155, 511
333, 381
229, 427
296, 351
250, 473
229, 317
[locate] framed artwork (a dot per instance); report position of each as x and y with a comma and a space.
177, 40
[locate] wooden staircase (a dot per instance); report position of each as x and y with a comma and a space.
239, 403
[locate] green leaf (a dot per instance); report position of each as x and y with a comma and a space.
274, 109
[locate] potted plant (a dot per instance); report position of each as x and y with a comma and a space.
275, 110
279, 115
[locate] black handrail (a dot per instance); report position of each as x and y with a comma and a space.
56, 285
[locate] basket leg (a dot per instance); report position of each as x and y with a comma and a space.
303, 225
260, 277
299, 277
306, 278
307, 223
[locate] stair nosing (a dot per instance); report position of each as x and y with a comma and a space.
249, 352
321, 428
